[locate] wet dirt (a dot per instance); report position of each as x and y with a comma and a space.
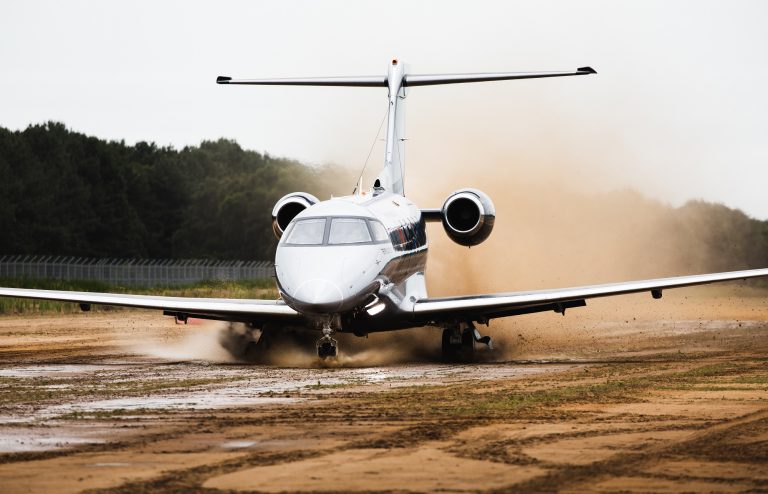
626, 395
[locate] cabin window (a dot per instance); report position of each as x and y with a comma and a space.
348, 231
307, 232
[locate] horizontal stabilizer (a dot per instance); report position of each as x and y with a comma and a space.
366, 81
434, 79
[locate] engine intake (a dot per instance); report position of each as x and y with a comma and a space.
288, 207
468, 216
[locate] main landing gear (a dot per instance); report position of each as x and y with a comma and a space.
327, 347
459, 342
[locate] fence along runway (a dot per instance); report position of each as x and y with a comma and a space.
133, 272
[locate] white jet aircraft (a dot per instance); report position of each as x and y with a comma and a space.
356, 264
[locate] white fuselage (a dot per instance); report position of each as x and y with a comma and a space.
341, 255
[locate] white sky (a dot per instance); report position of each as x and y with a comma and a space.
679, 108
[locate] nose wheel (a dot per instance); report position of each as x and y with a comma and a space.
327, 347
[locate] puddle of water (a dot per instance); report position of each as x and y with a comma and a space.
238, 444
196, 401
250, 385
22, 440
53, 370
241, 386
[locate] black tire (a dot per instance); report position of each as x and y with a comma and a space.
448, 348
326, 350
459, 352
468, 342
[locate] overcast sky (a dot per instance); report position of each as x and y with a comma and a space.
679, 108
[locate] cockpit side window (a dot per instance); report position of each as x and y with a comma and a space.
379, 232
348, 231
307, 232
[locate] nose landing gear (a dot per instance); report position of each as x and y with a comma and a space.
327, 347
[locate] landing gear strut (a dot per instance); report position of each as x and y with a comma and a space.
459, 342
327, 346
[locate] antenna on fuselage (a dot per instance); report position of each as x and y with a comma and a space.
358, 186
396, 80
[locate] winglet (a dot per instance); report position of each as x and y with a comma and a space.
225, 80
588, 70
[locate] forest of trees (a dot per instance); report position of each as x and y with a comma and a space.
65, 193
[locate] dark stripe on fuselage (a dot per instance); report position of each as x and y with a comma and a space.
410, 242
409, 236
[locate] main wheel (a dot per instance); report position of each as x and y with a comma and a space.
458, 346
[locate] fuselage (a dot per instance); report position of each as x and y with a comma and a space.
340, 256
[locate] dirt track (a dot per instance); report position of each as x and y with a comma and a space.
627, 395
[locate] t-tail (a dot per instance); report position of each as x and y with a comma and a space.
396, 80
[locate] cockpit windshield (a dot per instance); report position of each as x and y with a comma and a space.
307, 232
342, 230
348, 231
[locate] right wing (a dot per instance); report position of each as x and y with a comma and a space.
485, 307
225, 309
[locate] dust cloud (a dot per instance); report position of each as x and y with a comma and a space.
204, 342
556, 226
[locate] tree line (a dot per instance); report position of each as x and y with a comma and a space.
65, 193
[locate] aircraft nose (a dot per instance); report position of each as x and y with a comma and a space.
319, 295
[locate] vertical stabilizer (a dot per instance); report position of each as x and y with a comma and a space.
391, 176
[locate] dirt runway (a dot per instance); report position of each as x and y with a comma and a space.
625, 395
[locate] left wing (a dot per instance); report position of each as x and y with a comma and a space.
481, 308
225, 309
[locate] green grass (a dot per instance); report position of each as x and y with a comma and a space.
256, 289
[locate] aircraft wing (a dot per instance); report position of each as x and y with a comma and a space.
481, 308
225, 309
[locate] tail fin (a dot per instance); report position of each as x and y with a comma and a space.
396, 80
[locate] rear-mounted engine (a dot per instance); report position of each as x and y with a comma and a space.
468, 216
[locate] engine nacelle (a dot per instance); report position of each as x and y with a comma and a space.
468, 216
288, 207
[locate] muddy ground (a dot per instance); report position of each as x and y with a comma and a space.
626, 395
